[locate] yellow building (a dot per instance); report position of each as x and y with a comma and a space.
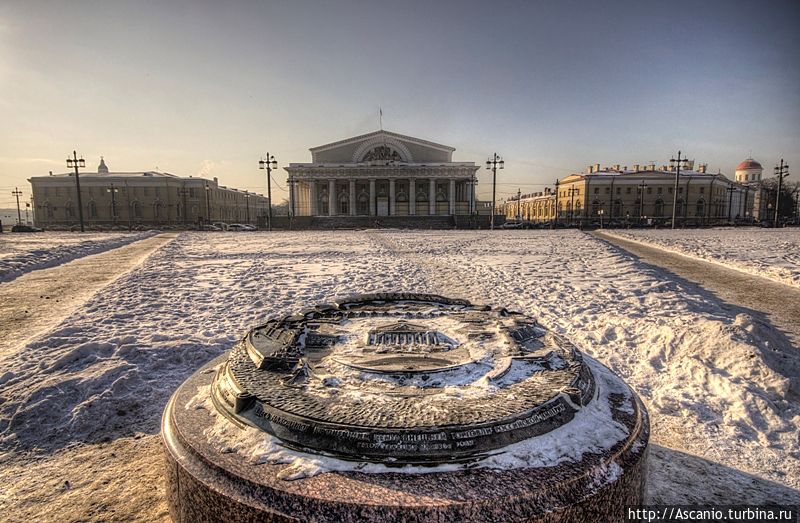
144, 198
643, 193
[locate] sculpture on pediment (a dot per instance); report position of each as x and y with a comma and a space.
382, 153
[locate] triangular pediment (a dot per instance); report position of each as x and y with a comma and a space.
382, 146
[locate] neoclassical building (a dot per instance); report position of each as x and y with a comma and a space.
382, 174
140, 198
643, 192
748, 173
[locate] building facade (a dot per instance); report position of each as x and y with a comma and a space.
748, 174
382, 174
144, 198
642, 193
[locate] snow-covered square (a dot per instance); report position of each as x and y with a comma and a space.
81, 404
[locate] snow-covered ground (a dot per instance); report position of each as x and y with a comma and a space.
723, 388
770, 253
25, 252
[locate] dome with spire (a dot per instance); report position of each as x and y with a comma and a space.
748, 164
102, 168
749, 171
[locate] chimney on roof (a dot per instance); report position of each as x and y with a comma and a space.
616, 167
702, 168
690, 165
51, 173
589, 169
651, 167
636, 167
216, 182
597, 167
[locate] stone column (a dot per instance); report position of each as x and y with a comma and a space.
331, 197
412, 197
372, 197
452, 197
432, 197
313, 196
392, 203
352, 197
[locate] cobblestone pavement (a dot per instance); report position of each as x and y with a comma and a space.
779, 302
41, 299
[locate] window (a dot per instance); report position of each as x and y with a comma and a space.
597, 190
649, 190
659, 207
619, 190
658, 190
700, 208
627, 190
608, 190
92, 208
702, 190
680, 190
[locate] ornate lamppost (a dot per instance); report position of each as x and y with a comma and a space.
677, 163
492, 164
113, 190
75, 163
268, 164
781, 172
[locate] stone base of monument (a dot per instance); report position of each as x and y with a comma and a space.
205, 484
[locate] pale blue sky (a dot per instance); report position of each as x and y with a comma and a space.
207, 87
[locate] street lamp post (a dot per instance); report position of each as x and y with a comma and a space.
601, 212
519, 205
268, 164
208, 204
677, 163
555, 204
16, 192
730, 190
642, 187
572, 190
75, 163
113, 190
781, 172
247, 203
492, 163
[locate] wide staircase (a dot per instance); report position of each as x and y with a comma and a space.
379, 222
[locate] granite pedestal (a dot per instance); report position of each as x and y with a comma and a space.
466, 383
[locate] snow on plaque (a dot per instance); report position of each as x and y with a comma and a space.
403, 378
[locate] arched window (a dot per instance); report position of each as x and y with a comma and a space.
91, 207
659, 208
363, 203
69, 211
616, 211
322, 202
680, 210
136, 210
344, 203
700, 208
595, 207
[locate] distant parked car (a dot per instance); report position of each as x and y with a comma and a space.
25, 228
222, 226
511, 225
238, 227
207, 227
